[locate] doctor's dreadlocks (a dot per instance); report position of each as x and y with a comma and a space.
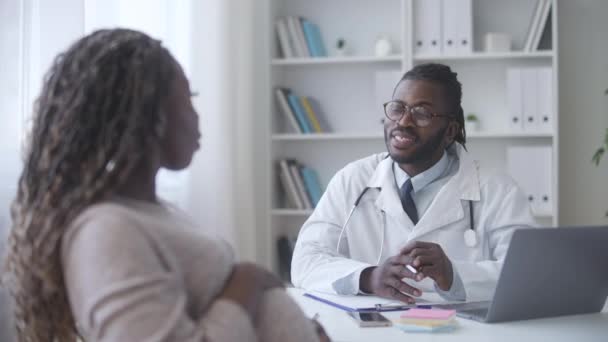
98, 112
443, 75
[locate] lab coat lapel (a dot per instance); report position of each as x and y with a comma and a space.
447, 207
388, 199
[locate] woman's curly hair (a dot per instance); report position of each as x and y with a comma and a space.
97, 115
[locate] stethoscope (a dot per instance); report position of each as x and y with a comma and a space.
470, 237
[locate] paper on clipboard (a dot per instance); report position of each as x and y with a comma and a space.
373, 303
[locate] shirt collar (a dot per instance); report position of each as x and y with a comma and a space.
424, 178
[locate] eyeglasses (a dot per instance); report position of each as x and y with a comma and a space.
420, 115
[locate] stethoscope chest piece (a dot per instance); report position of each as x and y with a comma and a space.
470, 238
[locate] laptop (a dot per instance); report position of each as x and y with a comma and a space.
548, 272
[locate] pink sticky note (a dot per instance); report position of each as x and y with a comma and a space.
428, 313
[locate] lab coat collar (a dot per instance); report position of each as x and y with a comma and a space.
464, 185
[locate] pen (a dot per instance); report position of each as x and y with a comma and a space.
411, 268
315, 317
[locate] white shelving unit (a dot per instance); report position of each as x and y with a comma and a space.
344, 88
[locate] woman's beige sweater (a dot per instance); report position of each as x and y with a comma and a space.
138, 271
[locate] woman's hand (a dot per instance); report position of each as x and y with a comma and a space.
247, 284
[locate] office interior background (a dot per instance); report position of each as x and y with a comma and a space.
230, 51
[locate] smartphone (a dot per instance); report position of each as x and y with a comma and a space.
370, 319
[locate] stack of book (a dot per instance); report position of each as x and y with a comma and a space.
541, 21
427, 320
299, 38
301, 112
300, 184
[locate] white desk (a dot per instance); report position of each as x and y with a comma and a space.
581, 328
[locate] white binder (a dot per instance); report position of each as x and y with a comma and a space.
544, 158
449, 26
514, 99
427, 27
529, 99
464, 38
519, 159
457, 27
545, 99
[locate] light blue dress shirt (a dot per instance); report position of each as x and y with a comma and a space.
426, 186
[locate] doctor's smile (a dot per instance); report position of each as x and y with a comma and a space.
402, 140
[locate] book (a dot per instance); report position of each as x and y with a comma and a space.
294, 168
283, 104
289, 185
301, 116
546, 11
294, 27
285, 43
310, 114
285, 254
311, 181
312, 33
533, 25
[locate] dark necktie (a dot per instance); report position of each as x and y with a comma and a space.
407, 202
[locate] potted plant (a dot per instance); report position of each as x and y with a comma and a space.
341, 47
471, 123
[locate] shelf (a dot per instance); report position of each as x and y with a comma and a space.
487, 56
291, 212
374, 136
335, 60
307, 212
326, 136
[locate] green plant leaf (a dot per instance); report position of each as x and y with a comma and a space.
597, 156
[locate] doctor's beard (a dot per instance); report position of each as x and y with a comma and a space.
422, 151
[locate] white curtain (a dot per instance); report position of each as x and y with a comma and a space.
222, 174
213, 40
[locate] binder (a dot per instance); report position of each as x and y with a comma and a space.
427, 27
449, 27
544, 160
370, 303
514, 99
529, 99
520, 166
544, 116
464, 15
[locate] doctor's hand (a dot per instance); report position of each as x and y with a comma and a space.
385, 280
430, 261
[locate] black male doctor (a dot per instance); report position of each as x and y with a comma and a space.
427, 218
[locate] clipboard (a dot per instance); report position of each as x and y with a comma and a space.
363, 303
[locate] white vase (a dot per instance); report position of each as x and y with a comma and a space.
383, 47
471, 126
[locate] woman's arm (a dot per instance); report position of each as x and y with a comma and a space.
121, 289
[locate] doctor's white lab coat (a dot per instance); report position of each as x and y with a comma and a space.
380, 225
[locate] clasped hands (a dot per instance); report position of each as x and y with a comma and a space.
429, 259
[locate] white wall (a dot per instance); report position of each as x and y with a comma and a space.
583, 70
